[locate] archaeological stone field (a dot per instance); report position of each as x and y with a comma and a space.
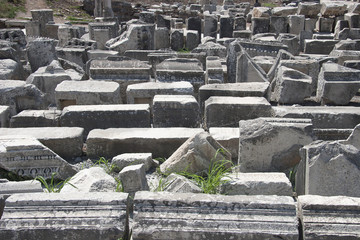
204, 120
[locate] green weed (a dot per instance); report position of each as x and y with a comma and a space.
9, 8
105, 164
119, 185
161, 185
52, 185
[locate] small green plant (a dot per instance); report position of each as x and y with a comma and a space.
119, 186
160, 160
161, 185
184, 50
214, 177
292, 175
105, 164
9, 9
52, 185
269, 5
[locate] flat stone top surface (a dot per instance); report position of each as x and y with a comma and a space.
180, 64
10, 143
44, 132
87, 86
71, 49
124, 64
160, 85
9, 84
22, 186
150, 133
105, 108
183, 99
65, 199
257, 177
238, 101
332, 203
98, 51
37, 113
237, 87
336, 72
243, 201
4, 108
283, 110
224, 133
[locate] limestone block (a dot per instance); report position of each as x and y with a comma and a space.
195, 155
319, 46
256, 184
325, 24
229, 138
228, 111
246, 34
133, 178
180, 184
75, 55
4, 116
93, 179
176, 39
192, 39
147, 17
194, 23
123, 160
83, 216
36, 118
210, 25
348, 45
278, 24
353, 19
283, 11
291, 86
344, 55
272, 144
211, 49
92, 117
339, 218
260, 25
42, 16
355, 64
226, 26
337, 84
162, 38
176, 111
261, 12
214, 70
296, 24
100, 54
11, 187
310, 24
309, 9
11, 70
41, 52
161, 142
333, 9
239, 23
292, 41
67, 142
207, 216
26, 156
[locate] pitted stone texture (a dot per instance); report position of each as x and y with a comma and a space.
272, 144
333, 8
205, 216
309, 9
180, 184
41, 52
256, 184
11, 187
36, 118
10, 69
83, 216
133, 178
229, 138
4, 116
127, 159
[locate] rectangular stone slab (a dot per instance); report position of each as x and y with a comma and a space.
161, 142
84, 216
164, 215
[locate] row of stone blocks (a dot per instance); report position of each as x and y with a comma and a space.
164, 215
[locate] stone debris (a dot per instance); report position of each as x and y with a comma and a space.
127, 159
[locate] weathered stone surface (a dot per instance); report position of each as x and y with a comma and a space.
325, 25
133, 178
309, 9
26, 156
93, 179
283, 11
229, 138
248, 70
344, 55
256, 184
85, 216
41, 52
228, 111
211, 49
145, 92
226, 26
195, 155
4, 116
291, 86
337, 84
278, 24
208, 216
319, 46
272, 144
161, 142
67, 142
91, 117
123, 160
296, 24
260, 25
36, 118
11, 187
176, 111
87, 93
10, 69
339, 217
214, 70
180, 184
261, 12
176, 39
333, 8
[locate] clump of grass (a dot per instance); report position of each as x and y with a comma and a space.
9, 8
184, 50
105, 164
269, 5
161, 185
292, 177
119, 185
52, 185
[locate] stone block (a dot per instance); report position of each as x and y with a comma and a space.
75, 55
272, 144
251, 217
355, 64
84, 216
162, 38
228, 111
111, 27
242, 34
211, 49
123, 160
353, 19
278, 24
147, 17
133, 178
196, 155
180, 184
192, 39
214, 70
333, 9
87, 93
100, 54
264, 12
337, 84
210, 25
256, 184
176, 111
309, 9
161, 142
325, 24
319, 46
177, 39
260, 25
41, 52
42, 16
344, 55
67, 142
4, 116
101, 36
11, 187
239, 23
194, 23
26, 156
283, 11
36, 118
310, 24
228, 138
226, 26
145, 92
292, 41
339, 218
296, 24
91, 117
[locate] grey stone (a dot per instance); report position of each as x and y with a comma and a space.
319, 46
283, 11
338, 217
100, 54
292, 41
256, 184
339, 28
355, 64
176, 39
310, 24
261, 12
248, 70
67, 142
63, 216
147, 17
42, 16
242, 34
207, 216
91, 117
161, 142
272, 144
228, 111
278, 24
11, 187
260, 25
74, 55
325, 24
309, 9
210, 25
196, 155
93, 179
296, 24
133, 178
353, 19
4, 116
229, 138
11, 70
123, 160
194, 23
333, 9
211, 49
192, 39
348, 45
41, 52
36, 118
162, 38
87, 93
180, 184
343, 55
26, 156
226, 26
214, 70
239, 23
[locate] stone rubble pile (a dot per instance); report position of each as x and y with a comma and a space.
134, 116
